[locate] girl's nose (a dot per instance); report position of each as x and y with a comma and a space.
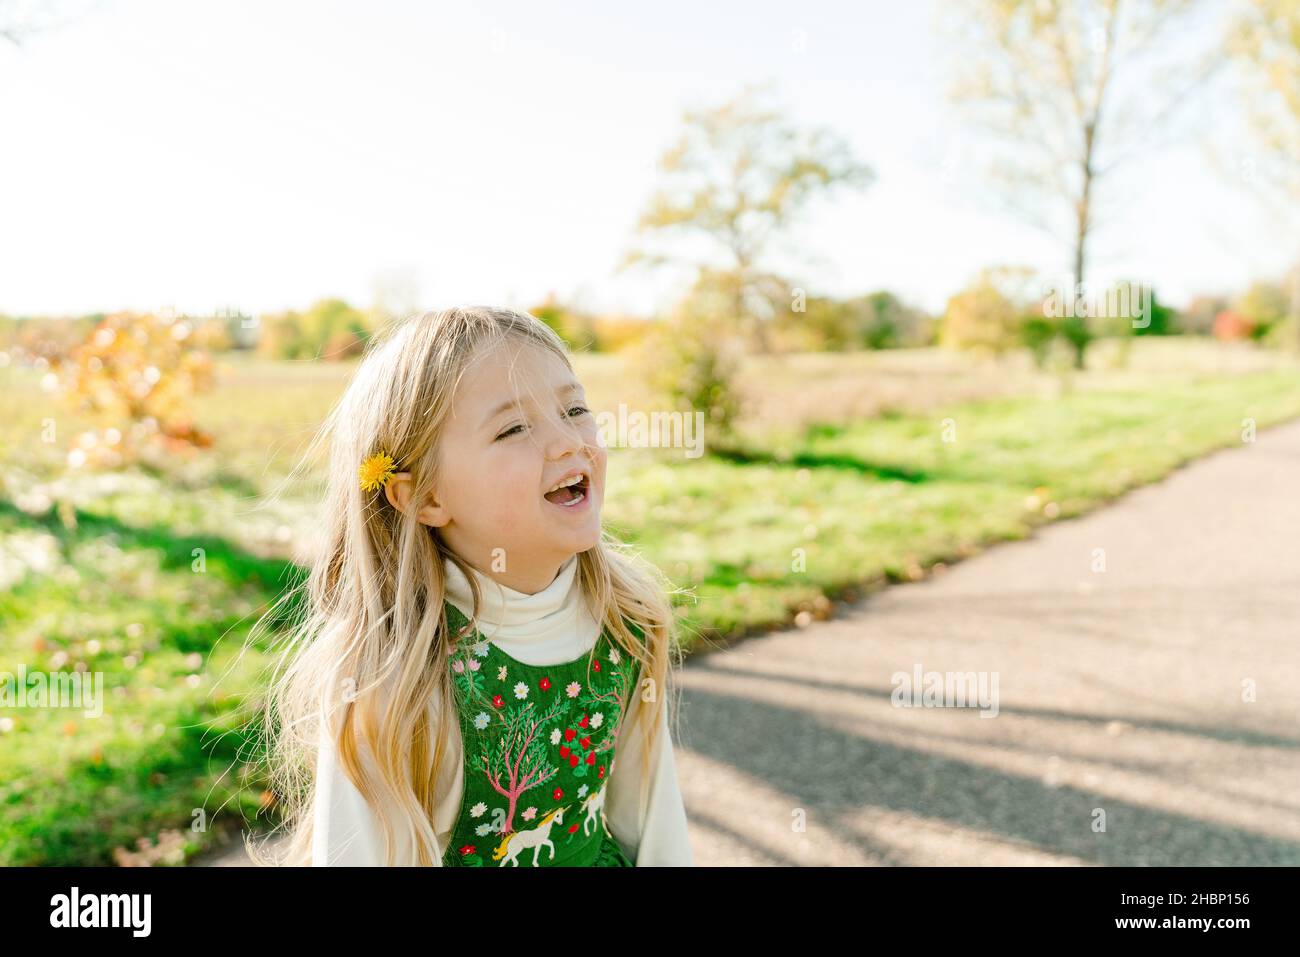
564, 436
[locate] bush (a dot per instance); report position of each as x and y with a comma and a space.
1038, 333
137, 374
692, 359
330, 329
980, 318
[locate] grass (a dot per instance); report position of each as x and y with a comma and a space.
803, 513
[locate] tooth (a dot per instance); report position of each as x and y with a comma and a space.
565, 483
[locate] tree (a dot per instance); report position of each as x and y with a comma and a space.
20, 20
740, 174
1198, 317
1045, 76
878, 320
1265, 40
1264, 307
576, 328
137, 373
981, 317
330, 329
689, 363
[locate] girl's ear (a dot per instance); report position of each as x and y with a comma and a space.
398, 492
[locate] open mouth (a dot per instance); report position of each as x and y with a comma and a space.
571, 495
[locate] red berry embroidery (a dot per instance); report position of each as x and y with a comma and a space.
569, 734
591, 758
573, 760
545, 684
564, 750
572, 829
601, 772
583, 722
467, 849
595, 666
498, 701
586, 743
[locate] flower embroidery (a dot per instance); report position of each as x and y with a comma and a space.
530, 814
481, 720
557, 793
521, 691
597, 719
474, 665
582, 791
481, 649
501, 673
555, 736
614, 656
458, 666
572, 689
544, 684
483, 829
478, 810
498, 701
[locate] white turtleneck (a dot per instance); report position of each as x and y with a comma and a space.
646, 814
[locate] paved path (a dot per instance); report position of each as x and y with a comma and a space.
1118, 692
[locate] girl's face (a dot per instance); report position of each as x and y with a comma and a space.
519, 425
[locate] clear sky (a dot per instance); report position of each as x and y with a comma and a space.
263, 155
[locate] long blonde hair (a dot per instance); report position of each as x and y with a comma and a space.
366, 660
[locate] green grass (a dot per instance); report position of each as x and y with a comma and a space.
169, 748
107, 582
883, 500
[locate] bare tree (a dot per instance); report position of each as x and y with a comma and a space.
1071, 90
20, 19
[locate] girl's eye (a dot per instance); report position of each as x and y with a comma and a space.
574, 412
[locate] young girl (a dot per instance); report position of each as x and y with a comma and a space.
480, 677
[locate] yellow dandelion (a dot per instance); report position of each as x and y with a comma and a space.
376, 471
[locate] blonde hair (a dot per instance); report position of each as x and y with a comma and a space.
372, 638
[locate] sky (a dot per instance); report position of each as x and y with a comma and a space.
260, 156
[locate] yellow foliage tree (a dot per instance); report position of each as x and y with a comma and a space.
136, 373
980, 318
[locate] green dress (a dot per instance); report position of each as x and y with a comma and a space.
539, 743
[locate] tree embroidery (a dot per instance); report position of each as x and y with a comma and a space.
519, 761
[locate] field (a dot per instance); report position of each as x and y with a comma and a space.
856, 470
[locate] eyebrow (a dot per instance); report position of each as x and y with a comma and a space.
571, 386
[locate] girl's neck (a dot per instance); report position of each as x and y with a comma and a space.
507, 607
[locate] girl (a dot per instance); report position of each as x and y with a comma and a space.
480, 676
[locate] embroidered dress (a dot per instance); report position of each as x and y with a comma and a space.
539, 747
